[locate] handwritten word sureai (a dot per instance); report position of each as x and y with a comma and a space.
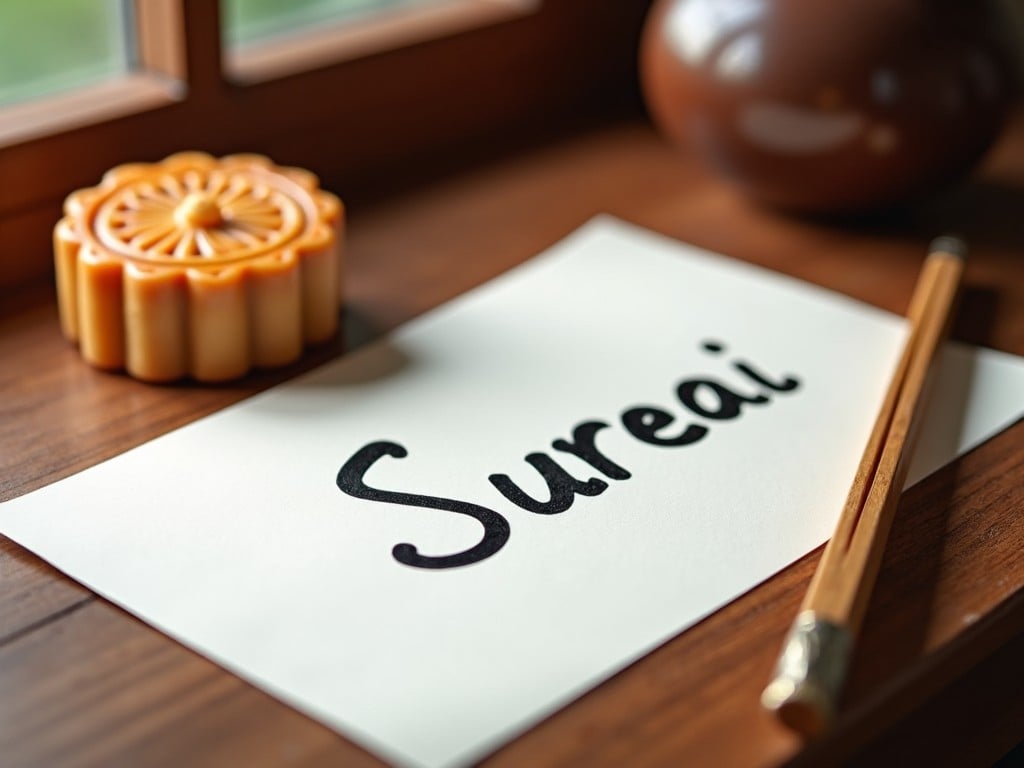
706, 398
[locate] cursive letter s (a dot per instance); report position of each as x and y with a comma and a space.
496, 528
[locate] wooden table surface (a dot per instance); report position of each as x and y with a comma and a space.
937, 678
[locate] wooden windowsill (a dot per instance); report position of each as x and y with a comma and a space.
87, 105
335, 43
353, 123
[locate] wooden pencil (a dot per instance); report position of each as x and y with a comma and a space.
809, 675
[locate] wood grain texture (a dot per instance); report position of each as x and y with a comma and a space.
842, 584
84, 684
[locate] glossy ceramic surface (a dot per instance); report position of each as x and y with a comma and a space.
828, 106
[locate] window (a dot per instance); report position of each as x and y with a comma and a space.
51, 47
249, 21
264, 39
354, 102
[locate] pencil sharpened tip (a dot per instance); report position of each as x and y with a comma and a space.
949, 244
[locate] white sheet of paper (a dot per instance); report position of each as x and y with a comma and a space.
232, 536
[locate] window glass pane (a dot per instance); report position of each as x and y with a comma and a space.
247, 21
53, 45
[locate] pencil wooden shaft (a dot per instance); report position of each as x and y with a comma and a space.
808, 678
846, 574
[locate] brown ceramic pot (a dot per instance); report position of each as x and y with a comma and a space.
828, 105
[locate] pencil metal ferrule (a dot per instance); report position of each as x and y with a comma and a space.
805, 688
